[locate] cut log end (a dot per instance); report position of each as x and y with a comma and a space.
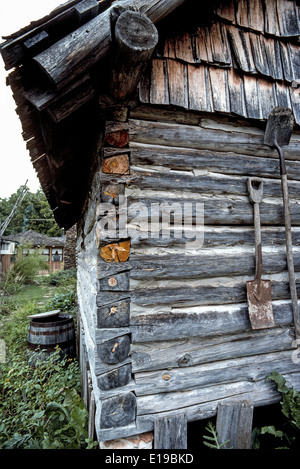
135, 31
135, 40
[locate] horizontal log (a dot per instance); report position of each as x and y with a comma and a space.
65, 106
188, 136
217, 236
118, 411
114, 315
76, 52
91, 42
42, 98
176, 265
192, 351
190, 292
225, 211
166, 404
114, 351
206, 183
200, 321
116, 282
204, 160
115, 378
202, 403
251, 368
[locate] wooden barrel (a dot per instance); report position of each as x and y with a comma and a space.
45, 334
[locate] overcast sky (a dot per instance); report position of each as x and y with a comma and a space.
15, 164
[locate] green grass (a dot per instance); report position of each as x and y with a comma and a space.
33, 294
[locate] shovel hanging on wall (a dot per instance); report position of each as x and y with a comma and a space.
278, 133
259, 296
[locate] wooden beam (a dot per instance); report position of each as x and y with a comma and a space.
86, 10
115, 378
118, 164
118, 411
114, 351
92, 412
114, 314
91, 42
170, 432
234, 424
135, 40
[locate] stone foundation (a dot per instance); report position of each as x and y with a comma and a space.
143, 441
70, 248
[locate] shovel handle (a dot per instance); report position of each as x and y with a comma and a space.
258, 261
289, 242
255, 189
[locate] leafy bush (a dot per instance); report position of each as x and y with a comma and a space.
41, 407
66, 302
63, 277
289, 435
14, 328
27, 266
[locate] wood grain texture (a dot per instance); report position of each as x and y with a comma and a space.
191, 136
199, 376
135, 38
191, 351
170, 433
118, 411
159, 90
234, 424
200, 321
200, 403
114, 351
114, 315
118, 377
84, 47
197, 89
177, 83
211, 161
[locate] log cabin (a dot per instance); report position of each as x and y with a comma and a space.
139, 114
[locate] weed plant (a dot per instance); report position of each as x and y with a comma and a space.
40, 406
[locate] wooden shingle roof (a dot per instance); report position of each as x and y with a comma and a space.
236, 57
244, 61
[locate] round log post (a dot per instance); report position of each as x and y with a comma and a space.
135, 40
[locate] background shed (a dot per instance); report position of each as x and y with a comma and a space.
52, 248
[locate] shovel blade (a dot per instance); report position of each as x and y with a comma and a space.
260, 304
279, 126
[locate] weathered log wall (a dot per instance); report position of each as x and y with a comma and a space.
167, 319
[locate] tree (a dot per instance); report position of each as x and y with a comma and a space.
34, 213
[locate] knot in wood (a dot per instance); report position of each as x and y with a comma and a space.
166, 377
185, 360
112, 282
